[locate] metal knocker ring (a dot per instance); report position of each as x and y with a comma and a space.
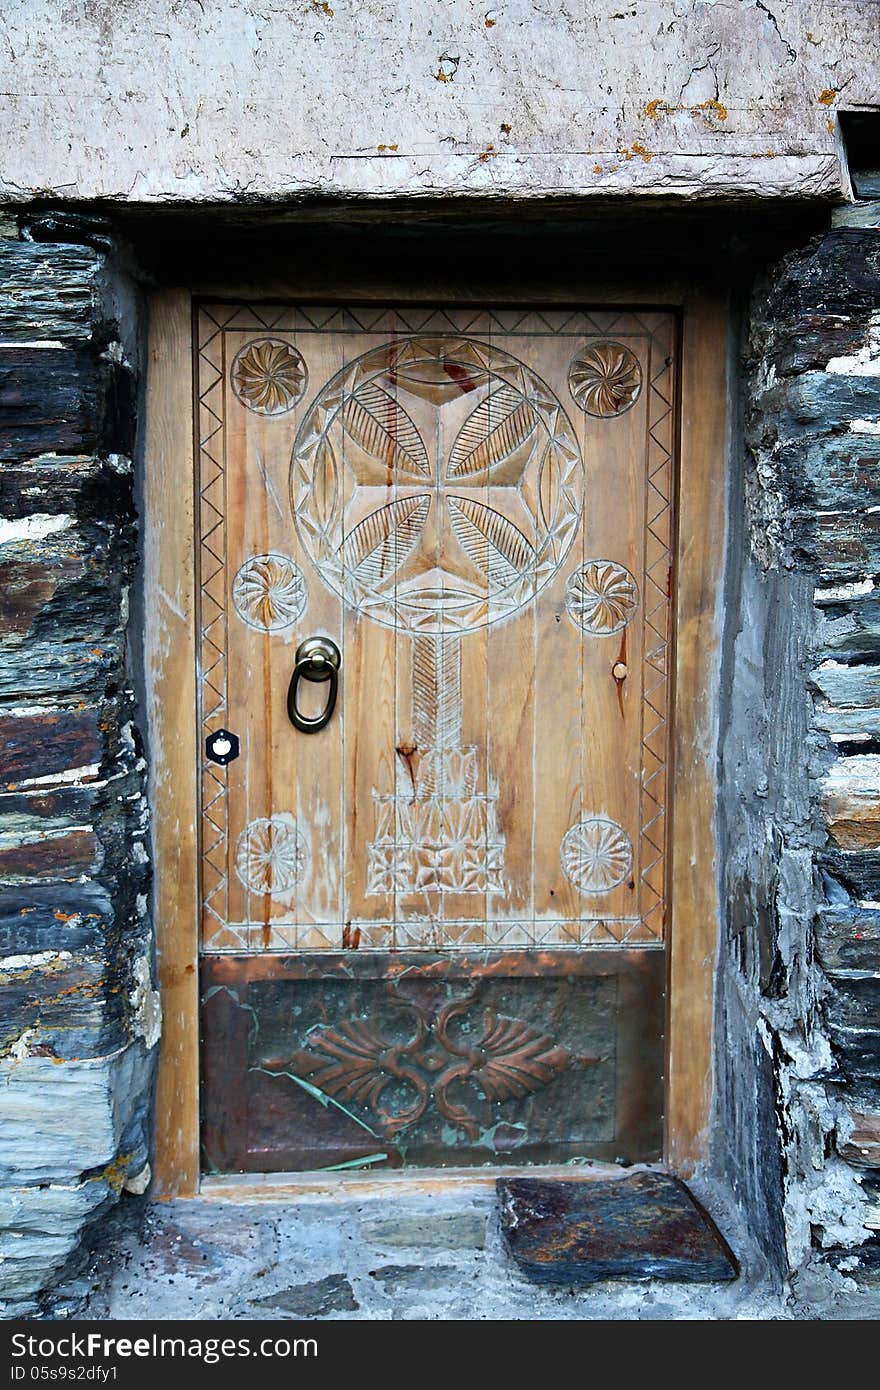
317, 659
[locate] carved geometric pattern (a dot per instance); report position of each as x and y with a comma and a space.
269, 376
212, 622
271, 856
496, 1059
432, 844
605, 379
656, 332
436, 562
484, 510
657, 598
596, 855
269, 592
601, 598
436, 833
425, 933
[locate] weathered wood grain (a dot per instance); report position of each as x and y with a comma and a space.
171, 709
504, 739
693, 869
491, 705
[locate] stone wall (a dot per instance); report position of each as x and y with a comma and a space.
799, 982
78, 1014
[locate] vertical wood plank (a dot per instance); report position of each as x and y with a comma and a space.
694, 868
169, 582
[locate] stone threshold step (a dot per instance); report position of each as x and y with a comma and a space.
644, 1226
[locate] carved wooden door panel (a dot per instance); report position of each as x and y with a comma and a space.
433, 932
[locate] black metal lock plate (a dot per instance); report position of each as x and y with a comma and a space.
222, 747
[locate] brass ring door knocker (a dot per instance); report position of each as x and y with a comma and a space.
317, 659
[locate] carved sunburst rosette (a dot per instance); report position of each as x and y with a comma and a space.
605, 379
269, 592
487, 484
601, 597
269, 376
596, 855
271, 856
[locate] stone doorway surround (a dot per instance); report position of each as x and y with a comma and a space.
793, 1133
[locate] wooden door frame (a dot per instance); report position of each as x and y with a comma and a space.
171, 664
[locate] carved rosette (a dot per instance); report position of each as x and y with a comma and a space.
269, 592
605, 379
487, 483
271, 856
596, 855
601, 598
269, 376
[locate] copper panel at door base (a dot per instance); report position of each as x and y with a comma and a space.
384, 1060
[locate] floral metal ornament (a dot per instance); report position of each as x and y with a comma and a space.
601, 598
269, 376
492, 1060
605, 379
270, 592
271, 856
596, 855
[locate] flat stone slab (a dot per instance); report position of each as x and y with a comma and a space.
313, 1300
450, 1231
647, 1226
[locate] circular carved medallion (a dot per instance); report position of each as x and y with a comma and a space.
271, 856
605, 379
602, 597
596, 855
269, 592
269, 376
437, 484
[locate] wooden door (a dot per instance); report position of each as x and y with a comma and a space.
433, 932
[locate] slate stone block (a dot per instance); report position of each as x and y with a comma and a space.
447, 1230
49, 742
848, 939
87, 488
857, 869
48, 292
314, 1300
647, 1226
